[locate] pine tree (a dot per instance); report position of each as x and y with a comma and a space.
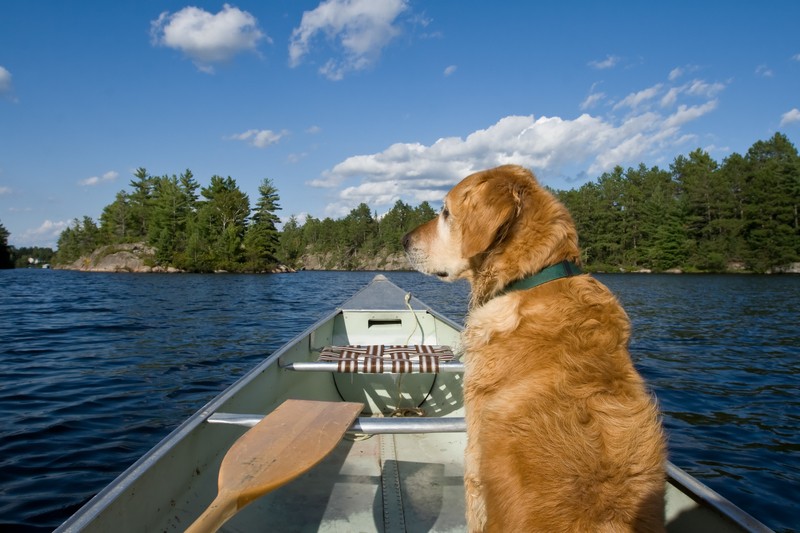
771, 214
262, 239
292, 243
664, 240
81, 238
222, 221
703, 194
393, 225
610, 203
139, 201
116, 220
171, 207
420, 214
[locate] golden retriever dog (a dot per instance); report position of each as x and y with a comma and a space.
562, 434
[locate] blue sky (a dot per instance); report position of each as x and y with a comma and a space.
341, 102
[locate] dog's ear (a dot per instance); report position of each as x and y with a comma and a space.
492, 207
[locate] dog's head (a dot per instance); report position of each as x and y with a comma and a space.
496, 226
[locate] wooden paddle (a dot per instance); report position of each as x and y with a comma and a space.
286, 443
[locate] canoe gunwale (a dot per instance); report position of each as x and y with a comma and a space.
710, 499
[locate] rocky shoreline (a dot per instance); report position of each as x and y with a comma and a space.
140, 258
134, 257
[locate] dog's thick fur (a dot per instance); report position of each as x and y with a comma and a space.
562, 434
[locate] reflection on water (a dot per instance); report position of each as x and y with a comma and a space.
97, 368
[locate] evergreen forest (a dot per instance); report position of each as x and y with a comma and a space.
697, 215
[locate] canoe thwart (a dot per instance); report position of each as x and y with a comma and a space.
365, 425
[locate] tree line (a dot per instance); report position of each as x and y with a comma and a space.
698, 215
349, 242
192, 228
217, 230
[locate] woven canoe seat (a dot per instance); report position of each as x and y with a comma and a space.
387, 358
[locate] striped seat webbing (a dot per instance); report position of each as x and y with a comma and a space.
395, 358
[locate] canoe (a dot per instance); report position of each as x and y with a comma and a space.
398, 468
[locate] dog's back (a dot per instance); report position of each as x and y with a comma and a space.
570, 438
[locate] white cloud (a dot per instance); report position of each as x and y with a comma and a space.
686, 113
6, 85
790, 116
362, 28
592, 100
207, 38
675, 73
796, 57
609, 62
450, 70
764, 71
314, 130
97, 180
701, 88
635, 100
46, 235
696, 88
671, 97
5, 80
5, 190
559, 150
260, 138
678, 72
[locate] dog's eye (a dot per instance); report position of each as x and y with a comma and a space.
445, 213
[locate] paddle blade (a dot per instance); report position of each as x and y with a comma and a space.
286, 443
283, 445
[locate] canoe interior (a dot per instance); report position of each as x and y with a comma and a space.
385, 483
356, 488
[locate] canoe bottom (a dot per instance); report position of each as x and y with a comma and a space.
383, 483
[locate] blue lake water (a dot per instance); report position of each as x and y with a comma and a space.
96, 368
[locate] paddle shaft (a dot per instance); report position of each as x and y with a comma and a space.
221, 509
285, 444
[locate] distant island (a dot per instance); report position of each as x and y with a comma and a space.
740, 215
